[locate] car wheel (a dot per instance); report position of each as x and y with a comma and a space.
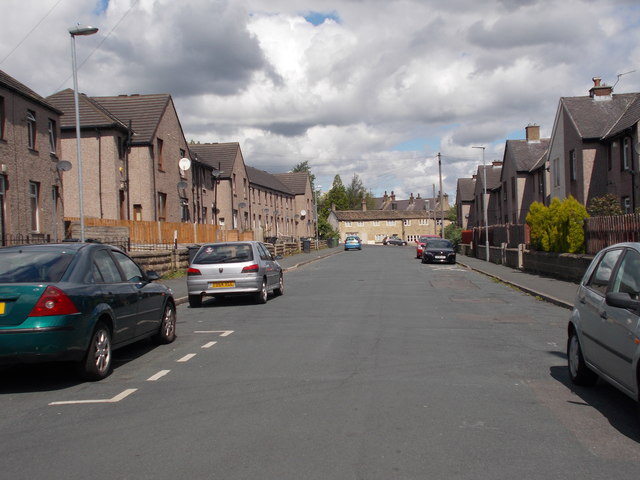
167, 332
261, 296
424, 260
195, 301
279, 290
97, 361
578, 371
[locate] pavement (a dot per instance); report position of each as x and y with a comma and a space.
558, 292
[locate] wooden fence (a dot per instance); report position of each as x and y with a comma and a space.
600, 232
156, 233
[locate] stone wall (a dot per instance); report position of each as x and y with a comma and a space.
162, 261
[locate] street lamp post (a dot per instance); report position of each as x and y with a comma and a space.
75, 31
315, 201
484, 206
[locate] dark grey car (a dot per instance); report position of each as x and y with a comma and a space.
234, 268
604, 329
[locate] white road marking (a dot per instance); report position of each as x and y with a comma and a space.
187, 357
115, 399
223, 333
158, 375
209, 345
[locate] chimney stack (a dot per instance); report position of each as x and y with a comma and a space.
599, 91
533, 133
364, 205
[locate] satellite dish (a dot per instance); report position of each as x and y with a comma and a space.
242, 205
63, 166
184, 164
303, 213
182, 185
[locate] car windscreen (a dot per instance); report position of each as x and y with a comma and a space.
29, 266
224, 253
439, 244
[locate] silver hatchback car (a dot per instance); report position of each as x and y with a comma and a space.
234, 268
604, 329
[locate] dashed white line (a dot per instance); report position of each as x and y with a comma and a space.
186, 358
115, 399
223, 333
158, 375
209, 344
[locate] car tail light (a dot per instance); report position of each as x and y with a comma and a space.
53, 302
251, 268
193, 271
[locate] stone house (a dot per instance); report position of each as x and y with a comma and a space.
592, 147
304, 210
131, 149
492, 174
246, 198
30, 169
465, 189
518, 185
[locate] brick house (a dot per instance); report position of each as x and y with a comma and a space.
465, 189
591, 150
30, 152
299, 184
131, 145
518, 185
494, 214
272, 205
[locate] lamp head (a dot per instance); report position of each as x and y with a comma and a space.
82, 30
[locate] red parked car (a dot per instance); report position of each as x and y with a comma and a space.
421, 242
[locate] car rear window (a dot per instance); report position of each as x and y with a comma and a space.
438, 244
28, 266
224, 253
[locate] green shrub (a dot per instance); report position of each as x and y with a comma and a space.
559, 227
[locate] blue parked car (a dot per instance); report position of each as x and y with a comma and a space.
352, 243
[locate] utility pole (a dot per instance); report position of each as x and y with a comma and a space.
484, 205
441, 198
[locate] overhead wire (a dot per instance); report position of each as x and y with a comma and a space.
30, 32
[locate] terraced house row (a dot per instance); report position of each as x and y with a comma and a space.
136, 165
594, 150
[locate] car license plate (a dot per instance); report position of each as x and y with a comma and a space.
1, 308
440, 257
222, 284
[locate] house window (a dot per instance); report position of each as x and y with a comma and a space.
573, 166
160, 144
137, 212
347, 224
162, 206
626, 205
407, 223
424, 221
52, 136
221, 221
31, 129
394, 206
391, 223
359, 224
626, 154
184, 209
556, 172
376, 223
34, 205
2, 118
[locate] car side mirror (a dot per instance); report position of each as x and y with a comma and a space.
152, 275
622, 300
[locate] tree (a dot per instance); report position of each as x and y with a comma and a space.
559, 227
304, 167
356, 193
336, 196
604, 206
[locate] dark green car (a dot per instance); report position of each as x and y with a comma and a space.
78, 302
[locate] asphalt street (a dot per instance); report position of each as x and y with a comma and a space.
371, 366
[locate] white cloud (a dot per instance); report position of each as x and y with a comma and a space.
344, 94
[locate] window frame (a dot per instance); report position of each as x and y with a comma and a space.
31, 129
34, 205
53, 136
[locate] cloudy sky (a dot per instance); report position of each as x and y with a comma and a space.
369, 87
